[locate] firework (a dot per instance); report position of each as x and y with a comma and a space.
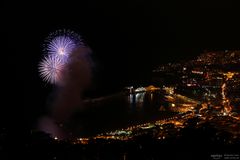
51, 68
58, 47
61, 46
62, 43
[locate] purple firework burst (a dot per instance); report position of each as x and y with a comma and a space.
62, 43
58, 46
61, 46
50, 69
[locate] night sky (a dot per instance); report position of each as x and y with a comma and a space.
127, 39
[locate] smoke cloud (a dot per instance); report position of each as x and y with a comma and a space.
76, 77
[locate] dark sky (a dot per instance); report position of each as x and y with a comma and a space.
127, 38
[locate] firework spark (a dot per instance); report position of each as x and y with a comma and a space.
51, 68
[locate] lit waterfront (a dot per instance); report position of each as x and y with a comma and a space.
212, 80
186, 110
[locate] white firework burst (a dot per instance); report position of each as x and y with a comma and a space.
62, 43
51, 68
61, 46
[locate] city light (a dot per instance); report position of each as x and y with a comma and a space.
202, 95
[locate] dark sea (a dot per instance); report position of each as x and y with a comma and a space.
118, 111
